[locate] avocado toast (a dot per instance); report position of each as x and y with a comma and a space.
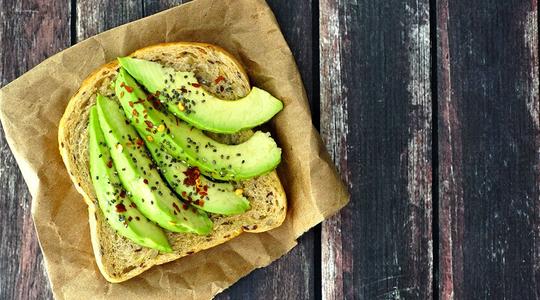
118, 257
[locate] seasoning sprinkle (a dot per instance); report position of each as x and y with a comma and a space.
181, 106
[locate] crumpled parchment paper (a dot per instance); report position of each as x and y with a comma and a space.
32, 105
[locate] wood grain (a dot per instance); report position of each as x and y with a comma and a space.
292, 276
95, 16
29, 32
489, 149
376, 123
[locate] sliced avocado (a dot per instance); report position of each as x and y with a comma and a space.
185, 98
140, 178
218, 198
120, 212
256, 156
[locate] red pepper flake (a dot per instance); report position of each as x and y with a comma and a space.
195, 84
145, 181
192, 175
201, 202
120, 208
149, 124
156, 104
184, 194
185, 206
135, 113
123, 194
130, 103
128, 89
109, 164
133, 205
139, 142
219, 79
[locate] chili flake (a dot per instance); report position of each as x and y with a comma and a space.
120, 208
219, 79
192, 175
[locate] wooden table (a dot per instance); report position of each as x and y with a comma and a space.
430, 110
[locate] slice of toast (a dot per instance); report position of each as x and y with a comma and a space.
118, 258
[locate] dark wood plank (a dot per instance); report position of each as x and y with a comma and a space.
292, 276
376, 122
154, 6
95, 16
30, 31
489, 149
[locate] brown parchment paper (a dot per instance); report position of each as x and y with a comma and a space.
32, 105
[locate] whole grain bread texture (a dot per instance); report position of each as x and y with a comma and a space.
118, 258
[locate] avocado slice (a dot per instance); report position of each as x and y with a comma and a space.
218, 198
257, 156
120, 212
140, 177
185, 98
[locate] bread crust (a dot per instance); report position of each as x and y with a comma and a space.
118, 258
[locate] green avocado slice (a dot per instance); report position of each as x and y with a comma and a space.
257, 156
218, 198
185, 98
120, 212
140, 178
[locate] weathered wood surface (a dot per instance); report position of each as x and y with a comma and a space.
29, 32
489, 149
376, 122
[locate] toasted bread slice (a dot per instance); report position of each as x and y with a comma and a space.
118, 258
